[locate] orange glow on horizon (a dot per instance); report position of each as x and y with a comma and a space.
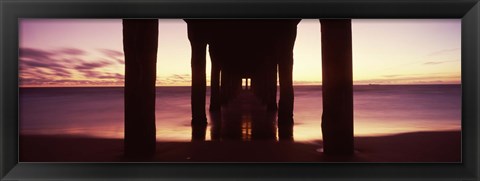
57, 53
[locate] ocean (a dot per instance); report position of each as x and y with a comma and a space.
98, 111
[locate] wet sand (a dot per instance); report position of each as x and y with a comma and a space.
442, 146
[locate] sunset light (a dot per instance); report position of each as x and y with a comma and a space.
81, 52
247, 90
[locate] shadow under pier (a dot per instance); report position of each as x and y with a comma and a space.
244, 118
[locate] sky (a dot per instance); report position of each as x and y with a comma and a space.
89, 52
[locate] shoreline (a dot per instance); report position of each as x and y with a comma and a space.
208, 86
434, 146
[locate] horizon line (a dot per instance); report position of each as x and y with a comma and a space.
210, 86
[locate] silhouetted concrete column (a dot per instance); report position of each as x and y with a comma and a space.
198, 43
259, 86
224, 77
231, 84
140, 43
271, 85
285, 69
337, 86
214, 83
238, 85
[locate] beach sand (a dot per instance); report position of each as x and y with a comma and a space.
444, 146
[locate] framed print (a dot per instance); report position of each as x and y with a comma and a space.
229, 90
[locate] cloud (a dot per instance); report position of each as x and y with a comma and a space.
62, 73
174, 79
180, 77
37, 63
68, 82
71, 51
413, 79
391, 76
33, 81
91, 74
38, 54
111, 76
42, 67
111, 53
41, 58
32, 53
443, 56
304, 82
120, 61
439, 62
59, 71
114, 54
443, 51
92, 65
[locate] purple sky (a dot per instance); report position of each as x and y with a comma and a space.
88, 52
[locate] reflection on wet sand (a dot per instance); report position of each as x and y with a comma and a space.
245, 118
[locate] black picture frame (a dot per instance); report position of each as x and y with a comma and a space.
11, 11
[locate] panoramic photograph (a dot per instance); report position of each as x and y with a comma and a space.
240, 90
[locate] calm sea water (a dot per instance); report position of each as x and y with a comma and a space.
378, 110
